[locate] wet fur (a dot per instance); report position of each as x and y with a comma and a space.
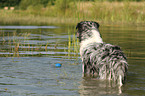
104, 61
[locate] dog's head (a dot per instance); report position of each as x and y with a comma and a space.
84, 29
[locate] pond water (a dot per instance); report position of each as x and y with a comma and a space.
28, 55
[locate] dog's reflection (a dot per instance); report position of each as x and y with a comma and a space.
95, 87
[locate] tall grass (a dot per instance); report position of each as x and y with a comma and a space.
114, 12
73, 43
14, 44
73, 12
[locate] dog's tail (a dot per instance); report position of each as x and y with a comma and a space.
117, 65
119, 72
120, 80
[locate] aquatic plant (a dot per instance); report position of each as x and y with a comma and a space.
19, 44
13, 44
73, 44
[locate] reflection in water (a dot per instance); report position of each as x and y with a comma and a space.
27, 27
92, 87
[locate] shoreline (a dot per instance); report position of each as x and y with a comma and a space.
118, 13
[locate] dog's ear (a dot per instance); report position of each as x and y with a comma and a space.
78, 26
97, 25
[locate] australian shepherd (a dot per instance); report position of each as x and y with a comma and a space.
104, 61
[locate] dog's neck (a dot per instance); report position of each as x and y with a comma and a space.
95, 38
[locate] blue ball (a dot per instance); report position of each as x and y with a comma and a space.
58, 65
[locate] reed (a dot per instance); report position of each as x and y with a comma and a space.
73, 44
17, 43
14, 44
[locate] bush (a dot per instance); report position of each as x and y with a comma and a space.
9, 3
35, 7
26, 3
62, 5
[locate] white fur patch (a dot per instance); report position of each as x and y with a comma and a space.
120, 80
95, 38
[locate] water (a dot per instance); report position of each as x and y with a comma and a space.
28, 55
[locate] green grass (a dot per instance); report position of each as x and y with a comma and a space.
73, 43
104, 12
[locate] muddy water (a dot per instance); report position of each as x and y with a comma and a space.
28, 55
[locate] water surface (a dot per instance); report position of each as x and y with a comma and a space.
28, 55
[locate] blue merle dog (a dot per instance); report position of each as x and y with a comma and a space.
104, 61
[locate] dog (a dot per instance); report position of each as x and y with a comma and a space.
101, 60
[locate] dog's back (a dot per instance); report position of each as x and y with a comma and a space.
104, 61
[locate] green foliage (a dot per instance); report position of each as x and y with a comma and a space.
36, 8
66, 11
44, 2
61, 3
25, 3
62, 6
9, 3
51, 2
